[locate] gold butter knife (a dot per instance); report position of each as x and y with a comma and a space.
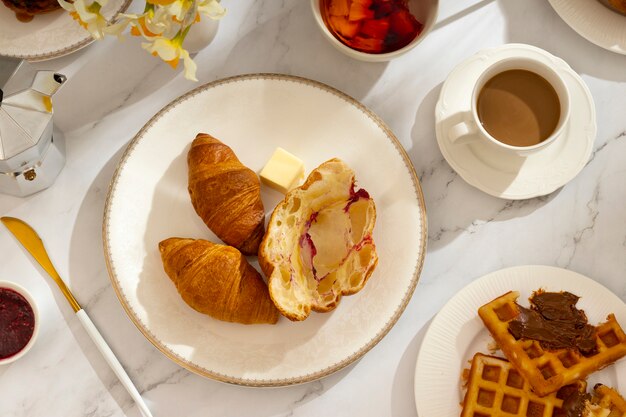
34, 245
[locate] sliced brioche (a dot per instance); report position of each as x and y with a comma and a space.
318, 245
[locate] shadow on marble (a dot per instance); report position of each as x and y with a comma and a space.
195, 395
90, 285
403, 393
86, 251
559, 39
131, 78
291, 43
9, 203
459, 15
445, 192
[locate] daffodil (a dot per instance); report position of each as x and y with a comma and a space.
161, 2
117, 28
212, 9
164, 24
171, 51
176, 10
146, 25
88, 15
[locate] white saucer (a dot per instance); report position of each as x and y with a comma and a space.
510, 176
594, 22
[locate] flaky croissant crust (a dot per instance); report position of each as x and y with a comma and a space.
217, 280
225, 194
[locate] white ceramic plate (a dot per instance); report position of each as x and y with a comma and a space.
511, 176
594, 22
456, 333
148, 202
49, 35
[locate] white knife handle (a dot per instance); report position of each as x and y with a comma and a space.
115, 365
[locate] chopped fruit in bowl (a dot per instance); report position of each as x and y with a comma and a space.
375, 30
373, 26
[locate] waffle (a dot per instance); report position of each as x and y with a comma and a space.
606, 402
496, 389
547, 371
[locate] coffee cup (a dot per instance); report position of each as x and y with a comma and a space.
519, 105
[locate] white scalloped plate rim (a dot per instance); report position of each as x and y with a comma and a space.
346, 352
62, 34
444, 352
594, 22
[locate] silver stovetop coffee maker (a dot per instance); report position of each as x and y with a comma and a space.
30, 157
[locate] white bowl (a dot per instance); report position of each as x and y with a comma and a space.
425, 11
22, 291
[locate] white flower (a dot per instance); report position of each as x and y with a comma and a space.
176, 11
88, 15
117, 28
170, 51
147, 26
211, 8
164, 24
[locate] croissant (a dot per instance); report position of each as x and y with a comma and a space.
217, 280
225, 194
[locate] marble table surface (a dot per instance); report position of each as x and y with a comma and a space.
113, 88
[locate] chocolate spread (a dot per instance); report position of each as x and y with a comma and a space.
574, 404
555, 322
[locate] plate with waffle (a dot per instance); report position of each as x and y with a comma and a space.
525, 341
601, 22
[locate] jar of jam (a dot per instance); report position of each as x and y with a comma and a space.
19, 322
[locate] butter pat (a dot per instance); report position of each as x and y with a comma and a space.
283, 171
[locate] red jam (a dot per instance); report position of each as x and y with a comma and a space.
372, 26
17, 322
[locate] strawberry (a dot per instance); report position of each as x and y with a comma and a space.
403, 24
383, 9
367, 44
376, 29
344, 27
359, 10
339, 7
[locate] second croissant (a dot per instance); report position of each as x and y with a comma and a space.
217, 280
